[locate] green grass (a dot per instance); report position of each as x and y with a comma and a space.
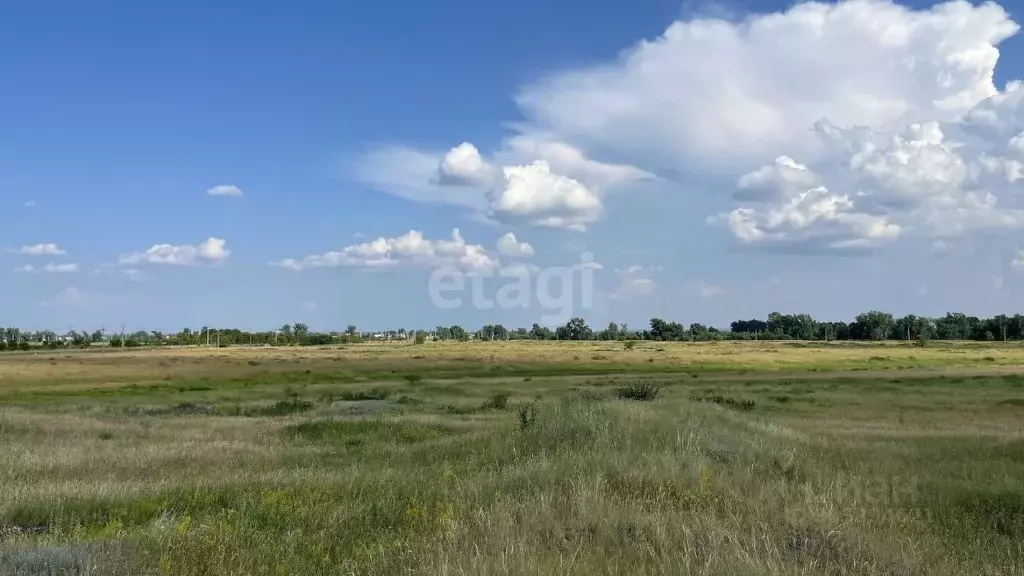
732, 473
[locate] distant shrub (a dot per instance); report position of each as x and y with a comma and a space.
629, 344
356, 395
643, 390
742, 405
421, 337
284, 408
588, 395
527, 415
497, 402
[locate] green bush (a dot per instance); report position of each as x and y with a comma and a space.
643, 390
498, 402
284, 408
527, 415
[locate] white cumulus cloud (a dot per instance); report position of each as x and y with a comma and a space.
711, 93
463, 166
509, 245
534, 195
838, 126
409, 249
210, 251
532, 181
47, 249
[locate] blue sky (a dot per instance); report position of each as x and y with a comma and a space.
335, 119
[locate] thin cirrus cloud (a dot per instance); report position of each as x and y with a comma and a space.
210, 251
224, 190
50, 268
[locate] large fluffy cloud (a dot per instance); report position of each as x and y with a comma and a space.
534, 195
211, 250
713, 93
837, 126
874, 185
409, 249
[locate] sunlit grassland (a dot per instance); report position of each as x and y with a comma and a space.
779, 460
106, 368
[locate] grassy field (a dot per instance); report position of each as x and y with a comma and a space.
515, 458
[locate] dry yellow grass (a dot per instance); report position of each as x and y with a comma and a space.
377, 360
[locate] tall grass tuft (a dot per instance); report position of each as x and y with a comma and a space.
643, 390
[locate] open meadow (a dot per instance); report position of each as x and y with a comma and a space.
519, 457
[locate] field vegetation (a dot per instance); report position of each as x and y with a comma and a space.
516, 457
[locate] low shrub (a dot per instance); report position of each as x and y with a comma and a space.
527, 415
497, 402
283, 408
643, 390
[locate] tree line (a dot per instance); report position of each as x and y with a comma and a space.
873, 325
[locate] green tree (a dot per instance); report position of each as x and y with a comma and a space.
539, 332
577, 329
611, 332
873, 325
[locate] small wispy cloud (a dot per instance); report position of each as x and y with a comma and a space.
49, 268
45, 249
225, 190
